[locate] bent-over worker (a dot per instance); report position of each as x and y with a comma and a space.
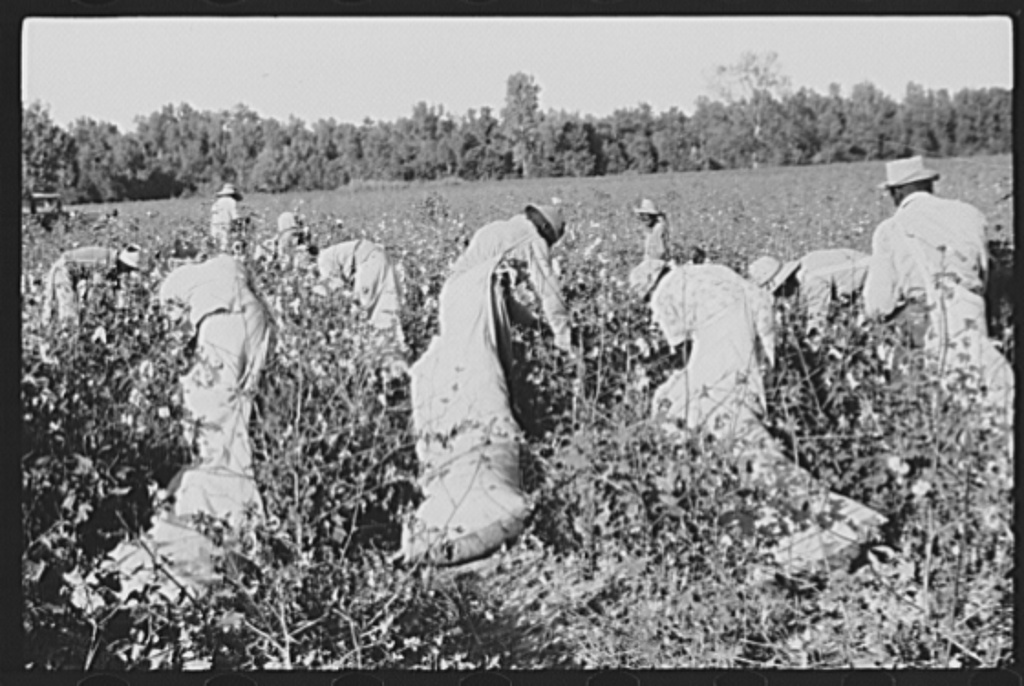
75, 268
231, 329
366, 267
468, 438
821, 277
719, 392
929, 261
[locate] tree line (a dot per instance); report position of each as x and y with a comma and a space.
756, 120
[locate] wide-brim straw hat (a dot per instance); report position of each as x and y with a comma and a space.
130, 256
229, 190
647, 207
901, 172
644, 277
768, 272
553, 215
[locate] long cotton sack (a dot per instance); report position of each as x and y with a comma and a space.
469, 441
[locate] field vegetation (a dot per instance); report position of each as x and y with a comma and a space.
624, 563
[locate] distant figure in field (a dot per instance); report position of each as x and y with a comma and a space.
468, 438
656, 225
224, 216
929, 263
719, 392
291, 239
821, 277
365, 268
73, 271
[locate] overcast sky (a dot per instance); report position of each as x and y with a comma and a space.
116, 69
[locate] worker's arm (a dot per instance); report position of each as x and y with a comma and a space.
550, 292
881, 283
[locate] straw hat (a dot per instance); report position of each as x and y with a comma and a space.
553, 215
902, 172
644, 277
229, 190
130, 256
768, 272
647, 207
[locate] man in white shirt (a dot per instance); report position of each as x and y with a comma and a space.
930, 259
223, 216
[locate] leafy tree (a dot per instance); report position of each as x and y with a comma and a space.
48, 154
637, 125
482, 148
378, 151
179, 150
713, 125
752, 83
566, 146
943, 122
871, 123
672, 139
916, 133
997, 120
521, 117
245, 141
321, 166
95, 145
802, 134
446, 151
832, 126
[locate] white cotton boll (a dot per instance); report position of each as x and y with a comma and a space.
135, 397
921, 488
897, 465
44, 354
885, 353
990, 518
644, 347
642, 381
100, 335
